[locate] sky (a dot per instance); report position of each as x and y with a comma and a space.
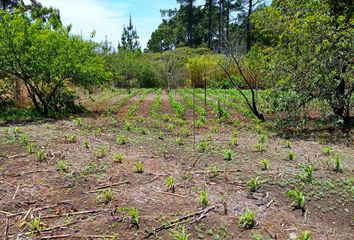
107, 17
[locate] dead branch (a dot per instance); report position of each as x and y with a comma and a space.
75, 213
172, 194
112, 185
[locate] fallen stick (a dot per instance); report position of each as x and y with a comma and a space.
75, 213
112, 185
219, 171
15, 194
179, 220
270, 203
76, 236
172, 194
6, 233
17, 156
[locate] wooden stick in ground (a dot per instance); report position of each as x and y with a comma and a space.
6, 233
77, 236
75, 213
220, 171
15, 194
180, 220
172, 194
111, 185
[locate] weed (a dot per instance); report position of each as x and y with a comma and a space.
337, 162
134, 217
73, 138
213, 170
264, 163
203, 199
144, 131
256, 237
35, 224
253, 184
139, 167
61, 167
247, 220
202, 146
121, 139
306, 235
105, 196
41, 155
128, 126
263, 138
119, 158
180, 141
170, 184
298, 197
327, 150
86, 143
180, 233
288, 144
228, 155
101, 152
291, 155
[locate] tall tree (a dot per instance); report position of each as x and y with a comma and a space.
130, 39
190, 19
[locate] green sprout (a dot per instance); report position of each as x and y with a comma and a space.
247, 220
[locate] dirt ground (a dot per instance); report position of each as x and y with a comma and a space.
72, 185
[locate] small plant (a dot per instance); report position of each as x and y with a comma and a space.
202, 146
221, 113
128, 126
247, 220
171, 127
119, 158
263, 138
105, 196
186, 132
180, 233
228, 155
161, 135
306, 235
35, 224
234, 141
264, 163
170, 184
73, 138
235, 133
122, 139
139, 167
291, 155
298, 197
61, 167
203, 199
260, 147
288, 144
144, 131
213, 170
180, 141
134, 217
337, 162
86, 143
29, 148
253, 184
256, 237
166, 118
327, 150
101, 152
309, 170
24, 139
41, 155
78, 121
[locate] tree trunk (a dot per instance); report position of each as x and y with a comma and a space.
190, 23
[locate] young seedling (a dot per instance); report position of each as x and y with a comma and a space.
24, 139
161, 135
288, 144
306, 235
263, 138
105, 196
337, 162
170, 184
253, 184
264, 163
180, 141
78, 121
41, 155
144, 131
213, 170
202, 146
171, 127
260, 147
203, 199
166, 118
35, 224
327, 150
122, 139
134, 217
234, 141
291, 155
119, 157
29, 148
228, 155
128, 126
101, 152
247, 220
61, 167
139, 167
235, 133
86, 143
298, 197
73, 138
180, 233
308, 171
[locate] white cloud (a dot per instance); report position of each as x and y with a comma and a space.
89, 15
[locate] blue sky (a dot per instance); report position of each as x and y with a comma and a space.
107, 17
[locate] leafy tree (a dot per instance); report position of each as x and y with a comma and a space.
162, 39
307, 51
130, 39
45, 57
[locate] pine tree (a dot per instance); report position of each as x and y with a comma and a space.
130, 39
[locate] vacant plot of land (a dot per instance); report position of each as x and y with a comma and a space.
136, 169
